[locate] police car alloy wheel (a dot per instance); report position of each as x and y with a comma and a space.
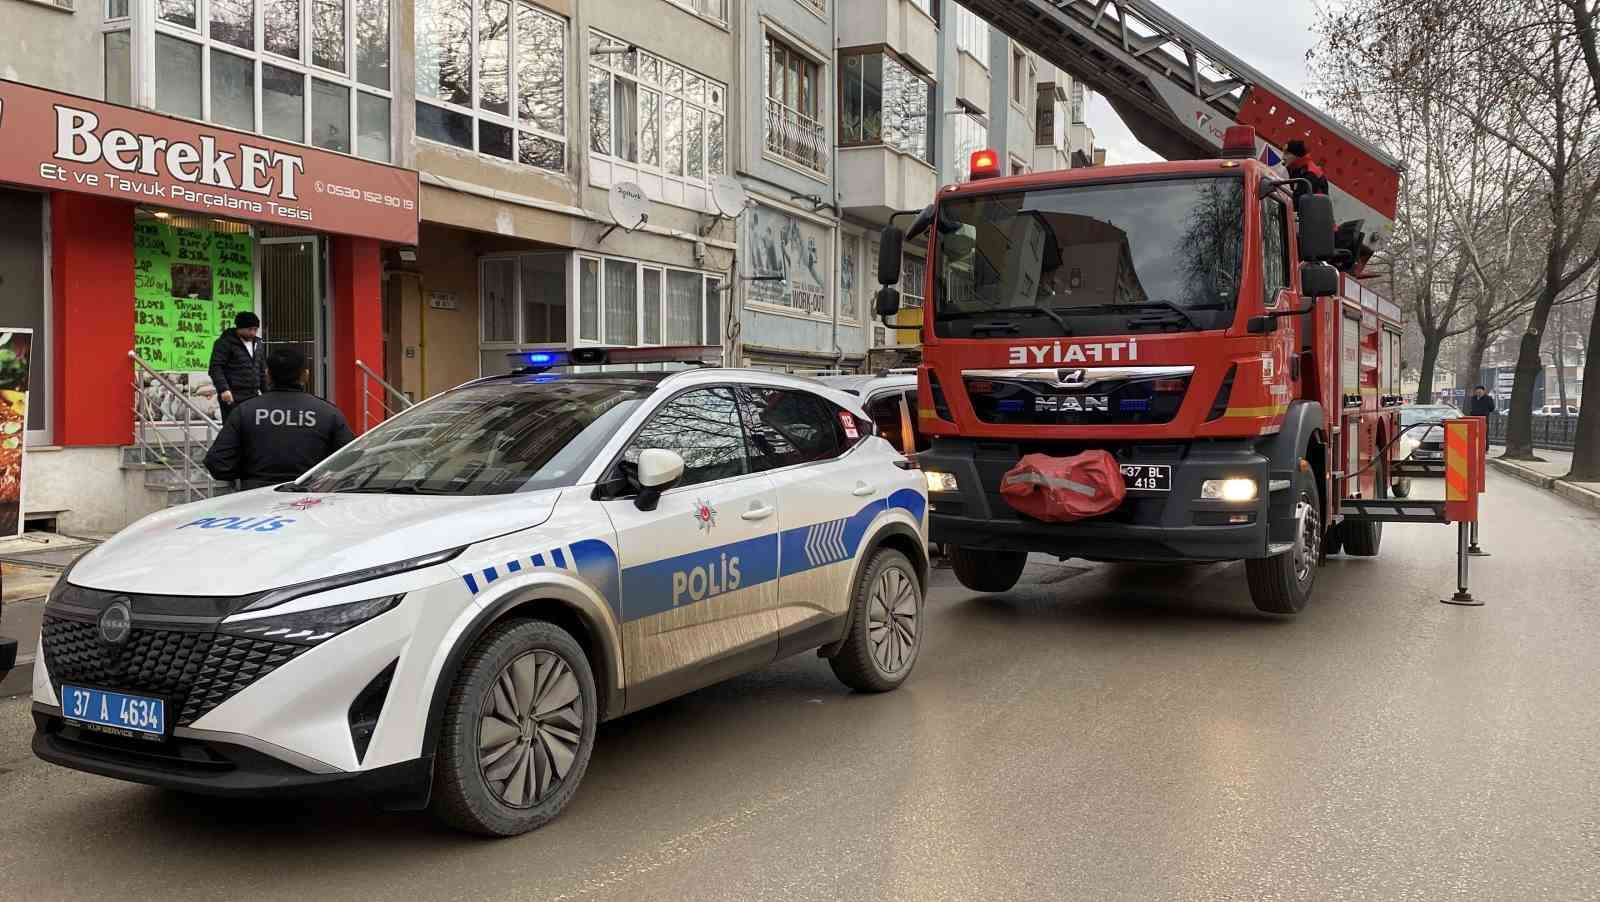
885, 626
518, 731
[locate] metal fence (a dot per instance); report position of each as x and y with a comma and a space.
1554, 433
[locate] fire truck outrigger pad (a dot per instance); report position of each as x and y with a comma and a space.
1063, 489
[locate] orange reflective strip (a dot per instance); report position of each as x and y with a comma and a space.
1456, 461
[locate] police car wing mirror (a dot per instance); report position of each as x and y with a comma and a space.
658, 470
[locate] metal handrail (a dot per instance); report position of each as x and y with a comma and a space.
178, 458
383, 401
142, 364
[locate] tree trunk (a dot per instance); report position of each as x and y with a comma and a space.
1430, 362
1519, 426
1479, 347
1586, 450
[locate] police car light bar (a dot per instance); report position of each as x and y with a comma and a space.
539, 361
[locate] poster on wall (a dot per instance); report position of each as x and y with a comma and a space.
797, 251
16, 346
188, 284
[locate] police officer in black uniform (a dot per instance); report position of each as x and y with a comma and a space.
276, 437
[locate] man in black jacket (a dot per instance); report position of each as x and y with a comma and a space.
278, 436
238, 360
1481, 405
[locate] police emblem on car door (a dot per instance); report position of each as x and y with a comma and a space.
699, 572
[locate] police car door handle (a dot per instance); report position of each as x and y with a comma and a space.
758, 511
862, 490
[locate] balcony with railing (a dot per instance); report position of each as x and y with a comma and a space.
796, 138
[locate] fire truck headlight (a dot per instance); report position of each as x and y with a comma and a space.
1237, 490
940, 481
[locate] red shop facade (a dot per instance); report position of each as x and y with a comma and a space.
125, 232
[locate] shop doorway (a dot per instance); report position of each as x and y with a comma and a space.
294, 310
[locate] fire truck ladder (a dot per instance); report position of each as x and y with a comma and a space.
1179, 91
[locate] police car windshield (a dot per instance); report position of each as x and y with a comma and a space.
1106, 259
492, 439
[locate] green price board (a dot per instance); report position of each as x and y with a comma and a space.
188, 284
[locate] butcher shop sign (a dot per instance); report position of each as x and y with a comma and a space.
65, 143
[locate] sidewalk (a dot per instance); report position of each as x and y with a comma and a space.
31, 565
1547, 475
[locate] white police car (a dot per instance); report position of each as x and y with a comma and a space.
445, 609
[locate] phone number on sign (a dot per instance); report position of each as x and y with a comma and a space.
371, 197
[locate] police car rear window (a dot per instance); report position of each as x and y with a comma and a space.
483, 440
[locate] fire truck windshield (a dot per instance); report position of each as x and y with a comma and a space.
1103, 259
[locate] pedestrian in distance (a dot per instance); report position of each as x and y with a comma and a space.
1300, 165
274, 438
238, 363
1482, 403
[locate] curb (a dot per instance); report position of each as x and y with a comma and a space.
1574, 493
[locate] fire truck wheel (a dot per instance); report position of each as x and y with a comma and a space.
982, 570
1333, 542
1282, 584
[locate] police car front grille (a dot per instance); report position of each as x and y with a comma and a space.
194, 671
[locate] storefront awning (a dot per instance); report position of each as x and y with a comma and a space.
64, 143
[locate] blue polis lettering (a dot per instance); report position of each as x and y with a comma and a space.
707, 581
241, 524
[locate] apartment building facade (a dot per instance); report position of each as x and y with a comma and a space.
458, 169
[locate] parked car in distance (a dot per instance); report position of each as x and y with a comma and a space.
1423, 436
1554, 410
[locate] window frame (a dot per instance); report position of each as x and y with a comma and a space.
748, 411
575, 295
613, 470
1269, 205
814, 73
476, 113
841, 86
608, 64
304, 66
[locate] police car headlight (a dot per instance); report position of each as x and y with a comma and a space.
329, 583
940, 481
1236, 490
314, 626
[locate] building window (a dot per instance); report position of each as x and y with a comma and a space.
885, 102
1078, 100
972, 35
119, 68
1019, 69
712, 9
227, 62
794, 107
509, 100
522, 304
852, 277
627, 302
654, 115
931, 7
912, 272
971, 136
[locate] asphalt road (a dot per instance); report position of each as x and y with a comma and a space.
1103, 733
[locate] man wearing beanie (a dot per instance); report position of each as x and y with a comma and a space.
238, 363
1301, 166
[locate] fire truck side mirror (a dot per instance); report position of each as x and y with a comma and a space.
888, 301
889, 257
1318, 280
1315, 212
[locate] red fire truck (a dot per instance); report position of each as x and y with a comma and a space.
1191, 318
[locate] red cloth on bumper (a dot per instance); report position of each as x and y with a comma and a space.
1062, 489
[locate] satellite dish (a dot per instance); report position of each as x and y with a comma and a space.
729, 195
630, 208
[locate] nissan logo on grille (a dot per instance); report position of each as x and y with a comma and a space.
116, 622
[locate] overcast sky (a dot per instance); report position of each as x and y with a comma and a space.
1272, 37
